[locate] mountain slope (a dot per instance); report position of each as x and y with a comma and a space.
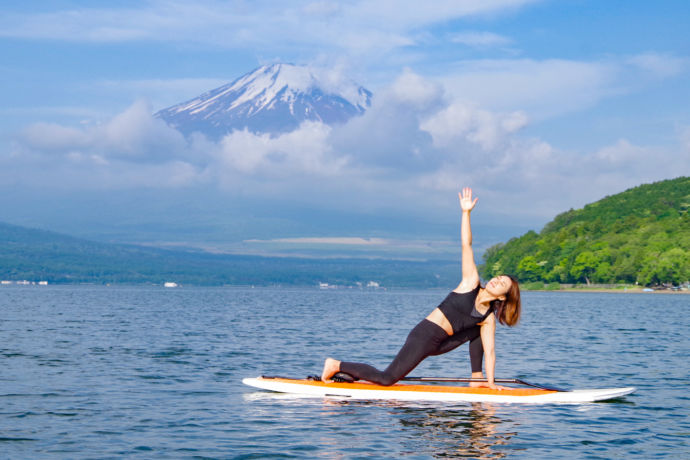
271, 99
641, 236
37, 255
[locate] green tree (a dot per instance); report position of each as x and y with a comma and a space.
529, 270
603, 273
669, 267
559, 273
584, 266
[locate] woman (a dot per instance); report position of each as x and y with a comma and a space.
468, 313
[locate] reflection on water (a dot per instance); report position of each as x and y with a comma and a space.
472, 432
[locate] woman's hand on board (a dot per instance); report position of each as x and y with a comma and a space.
492, 386
466, 202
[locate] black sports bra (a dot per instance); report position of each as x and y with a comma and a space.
460, 311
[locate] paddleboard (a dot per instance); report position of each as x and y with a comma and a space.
409, 392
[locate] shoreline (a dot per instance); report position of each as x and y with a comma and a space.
611, 290
172, 285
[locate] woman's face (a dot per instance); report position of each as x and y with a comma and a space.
498, 286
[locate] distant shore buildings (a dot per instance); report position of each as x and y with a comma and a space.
24, 283
369, 285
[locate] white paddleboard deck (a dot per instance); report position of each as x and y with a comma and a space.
405, 392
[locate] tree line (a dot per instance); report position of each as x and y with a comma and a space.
639, 236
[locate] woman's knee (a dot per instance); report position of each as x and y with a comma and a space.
387, 380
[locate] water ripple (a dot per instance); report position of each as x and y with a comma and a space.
144, 372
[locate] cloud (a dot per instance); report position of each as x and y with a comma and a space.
53, 137
542, 89
413, 149
387, 140
133, 134
546, 89
304, 150
354, 26
136, 135
480, 39
130, 150
529, 179
659, 65
463, 121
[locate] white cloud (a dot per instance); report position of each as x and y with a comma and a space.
531, 180
130, 150
542, 89
463, 121
414, 90
304, 150
136, 134
615, 156
53, 137
551, 88
415, 145
355, 26
623, 161
480, 39
659, 65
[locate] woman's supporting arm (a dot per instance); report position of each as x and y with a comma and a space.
488, 334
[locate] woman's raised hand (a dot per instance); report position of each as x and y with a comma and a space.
466, 202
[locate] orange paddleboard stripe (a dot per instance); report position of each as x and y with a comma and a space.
421, 388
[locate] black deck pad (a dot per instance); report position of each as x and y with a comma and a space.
343, 377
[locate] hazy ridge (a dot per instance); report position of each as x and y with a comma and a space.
38, 255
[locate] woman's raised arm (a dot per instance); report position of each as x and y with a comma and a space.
470, 276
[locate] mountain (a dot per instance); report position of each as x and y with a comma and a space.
272, 99
38, 255
641, 235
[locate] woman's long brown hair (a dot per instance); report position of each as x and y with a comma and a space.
508, 311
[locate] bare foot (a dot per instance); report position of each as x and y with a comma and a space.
330, 368
477, 375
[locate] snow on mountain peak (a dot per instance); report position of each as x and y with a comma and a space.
266, 83
273, 98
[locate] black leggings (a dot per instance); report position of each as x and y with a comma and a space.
426, 339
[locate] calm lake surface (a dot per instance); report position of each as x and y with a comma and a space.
149, 372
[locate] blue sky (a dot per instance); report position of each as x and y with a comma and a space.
541, 106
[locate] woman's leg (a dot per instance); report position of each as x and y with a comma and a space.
423, 340
476, 348
476, 355
457, 339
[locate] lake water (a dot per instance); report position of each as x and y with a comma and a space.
149, 372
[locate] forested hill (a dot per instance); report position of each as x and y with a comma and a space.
641, 235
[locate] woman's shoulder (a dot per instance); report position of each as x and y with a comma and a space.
465, 288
